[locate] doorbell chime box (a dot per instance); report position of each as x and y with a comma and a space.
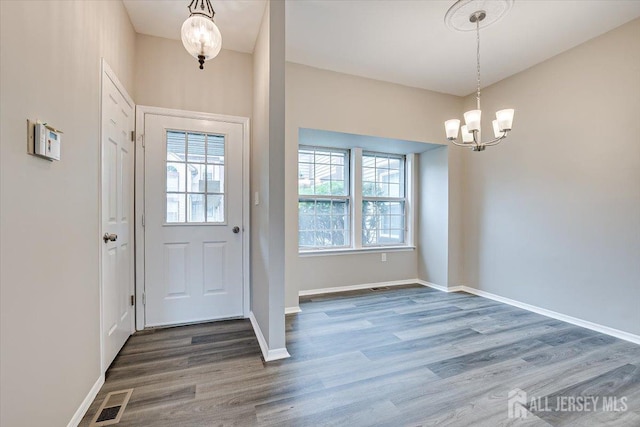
47, 141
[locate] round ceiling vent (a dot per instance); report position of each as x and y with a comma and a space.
463, 14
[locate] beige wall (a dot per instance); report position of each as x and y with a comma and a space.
167, 76
553, 213
327, 100
267, 178
49, 277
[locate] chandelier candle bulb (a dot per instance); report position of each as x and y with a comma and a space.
505, 118
452, 127
472, 119
466, 135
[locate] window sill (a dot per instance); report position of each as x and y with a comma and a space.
351, 251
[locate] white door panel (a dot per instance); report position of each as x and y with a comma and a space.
193, 201
117, 214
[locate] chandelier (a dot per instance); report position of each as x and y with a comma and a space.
464, 15
200, 35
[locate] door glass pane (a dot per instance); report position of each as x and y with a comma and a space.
215, 208
195, 147
215, 149
195, 178
175, 208
195, 208
175, 176
215, 178
176, 146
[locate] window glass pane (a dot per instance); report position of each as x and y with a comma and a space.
195, 208
382, 223
175, 176
176, 146
215, 179
215, 149
215, 208
382, 175
175, 208
195, 147
323, 172
323, 223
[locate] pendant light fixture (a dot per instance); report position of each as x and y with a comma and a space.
467, 15
200, 35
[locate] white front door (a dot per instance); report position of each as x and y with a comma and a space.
193, 199
117, 287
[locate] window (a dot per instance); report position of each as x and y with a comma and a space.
323, 198
195, 178
383, 199
350, 208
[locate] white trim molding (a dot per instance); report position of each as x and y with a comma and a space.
268, 354
358, 287
292, 310
627, 336
86, 403
439, 287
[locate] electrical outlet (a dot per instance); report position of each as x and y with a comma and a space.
384, 257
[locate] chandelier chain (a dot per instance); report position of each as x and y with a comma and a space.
478, 62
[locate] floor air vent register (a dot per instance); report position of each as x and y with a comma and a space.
112, 408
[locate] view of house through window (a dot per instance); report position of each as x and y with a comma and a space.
326, 204
195, 178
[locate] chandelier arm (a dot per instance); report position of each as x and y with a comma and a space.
496, 141
464, 144
478, 62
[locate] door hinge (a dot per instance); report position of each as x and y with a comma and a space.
143, 220
144, 299
133, 300
133, 135
142, 140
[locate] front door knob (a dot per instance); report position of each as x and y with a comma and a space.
109, 237
236, 229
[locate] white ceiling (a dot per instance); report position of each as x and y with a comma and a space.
402, 41
238, 20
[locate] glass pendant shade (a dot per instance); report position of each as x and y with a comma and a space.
496, 129
505, 118
452, 126
466, 135
472, 119
201, 37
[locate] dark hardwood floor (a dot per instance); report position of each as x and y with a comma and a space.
405, 356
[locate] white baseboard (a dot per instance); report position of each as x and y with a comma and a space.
356, 287
558, 316
84, 406
292, 310
268, 354
439, 287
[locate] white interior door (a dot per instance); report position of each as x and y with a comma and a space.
117, 286
193, 220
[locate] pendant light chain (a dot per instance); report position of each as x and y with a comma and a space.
478, 61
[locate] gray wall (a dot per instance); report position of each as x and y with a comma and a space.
49, 271
167, 76
552, 215
267, 178
433, 217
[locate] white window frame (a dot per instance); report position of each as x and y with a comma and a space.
355, 200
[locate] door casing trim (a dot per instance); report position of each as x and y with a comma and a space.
141, 112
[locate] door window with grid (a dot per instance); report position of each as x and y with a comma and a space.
323, 198
383, 199
195, 178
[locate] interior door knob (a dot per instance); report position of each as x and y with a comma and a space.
109, 237
236, 229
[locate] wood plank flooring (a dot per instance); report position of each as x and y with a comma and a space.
405, 356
